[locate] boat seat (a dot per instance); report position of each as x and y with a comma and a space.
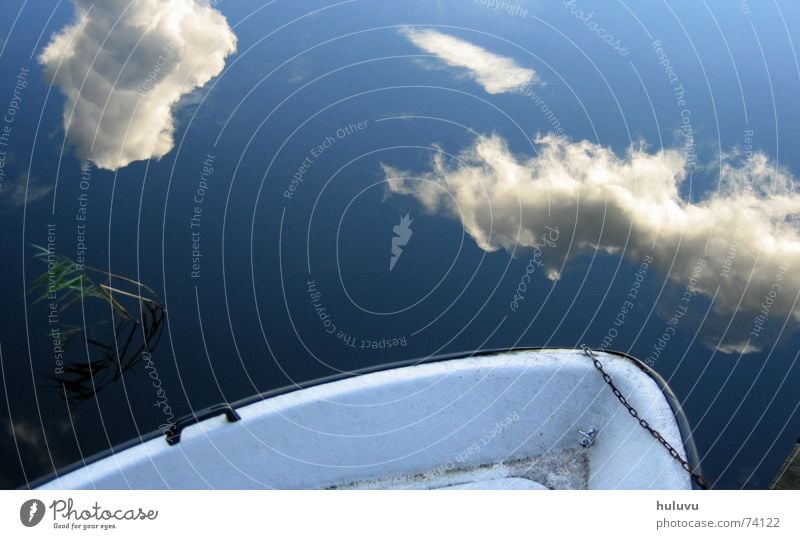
505, 483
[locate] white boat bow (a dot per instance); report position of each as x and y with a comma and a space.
521, 419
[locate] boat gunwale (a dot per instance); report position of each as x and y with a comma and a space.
687, 440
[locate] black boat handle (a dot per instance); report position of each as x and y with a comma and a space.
174, 432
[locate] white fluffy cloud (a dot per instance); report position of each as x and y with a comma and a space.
123, 65
745, 232
497, 74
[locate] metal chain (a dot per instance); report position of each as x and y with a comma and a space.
699, 479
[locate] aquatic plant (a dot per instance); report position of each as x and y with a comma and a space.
114, 346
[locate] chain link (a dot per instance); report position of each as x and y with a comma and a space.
699, 479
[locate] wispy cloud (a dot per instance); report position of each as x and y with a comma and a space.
497, 74
629, 205
22, 191
30, 438
123, 67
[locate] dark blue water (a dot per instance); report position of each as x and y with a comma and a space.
249, 319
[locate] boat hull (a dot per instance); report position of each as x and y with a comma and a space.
493, 420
